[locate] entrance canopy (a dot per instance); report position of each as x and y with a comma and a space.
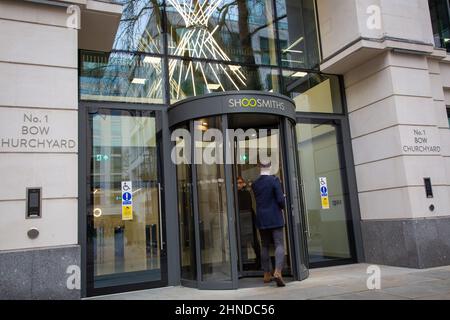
231, 102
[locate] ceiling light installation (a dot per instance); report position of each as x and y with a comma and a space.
198, 42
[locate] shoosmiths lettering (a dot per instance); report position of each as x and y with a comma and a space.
256, 103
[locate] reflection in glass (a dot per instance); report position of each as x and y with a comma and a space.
448, 116
121, 77
313, 92
319, 153
212, 211
186, 213
297, 33
193, 78
246, 168
227, 30
439, 10
124, 149
140, 26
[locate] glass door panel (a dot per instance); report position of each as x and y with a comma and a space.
319, 147
212, 212
185, 211
124, 231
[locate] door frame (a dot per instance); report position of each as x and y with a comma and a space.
84, 200
349, 180
289, 230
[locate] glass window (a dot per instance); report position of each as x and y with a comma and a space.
439, 10
313, 92
448, 115
320, 152
212, 213
121, 77
124, 228
186, 213
140, 26
227, 30
297, 34
192, 78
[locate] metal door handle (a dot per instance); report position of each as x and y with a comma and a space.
308, 231
160, 218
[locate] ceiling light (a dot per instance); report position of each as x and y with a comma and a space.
138, 81
296, 42
299, 74
447, 40
235, 68
213, 86
152, 60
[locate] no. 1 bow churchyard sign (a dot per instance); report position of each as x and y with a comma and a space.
37, 130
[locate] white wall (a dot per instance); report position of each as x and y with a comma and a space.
392, 99
345, 21
38, 76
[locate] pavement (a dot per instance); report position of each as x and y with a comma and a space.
347, 282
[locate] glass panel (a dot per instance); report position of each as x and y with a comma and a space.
192, 78
140, 26
228, 30
448, 116
441, 23
125, 235
212, 207
246, 172
121, 77
319, 152
297, 31
313, 92
186, 213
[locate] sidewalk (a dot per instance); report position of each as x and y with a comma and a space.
337, 283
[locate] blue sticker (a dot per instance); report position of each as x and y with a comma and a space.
126, 203
126, 196
324, 191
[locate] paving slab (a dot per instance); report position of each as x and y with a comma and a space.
347, 282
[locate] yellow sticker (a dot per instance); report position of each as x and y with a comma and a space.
127, 212
325, 203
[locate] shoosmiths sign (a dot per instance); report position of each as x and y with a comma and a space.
256, 103
34, 130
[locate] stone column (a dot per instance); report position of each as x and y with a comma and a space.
38, 148
399, 127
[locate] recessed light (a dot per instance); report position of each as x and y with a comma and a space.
152, 60
138, 81
299, 74
213, 86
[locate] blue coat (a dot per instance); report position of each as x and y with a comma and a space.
269, 202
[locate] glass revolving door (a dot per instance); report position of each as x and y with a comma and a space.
218, 244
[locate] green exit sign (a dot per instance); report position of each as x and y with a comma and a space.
101, 157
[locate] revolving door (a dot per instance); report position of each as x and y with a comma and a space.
218, 141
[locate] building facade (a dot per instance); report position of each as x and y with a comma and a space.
97, 98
